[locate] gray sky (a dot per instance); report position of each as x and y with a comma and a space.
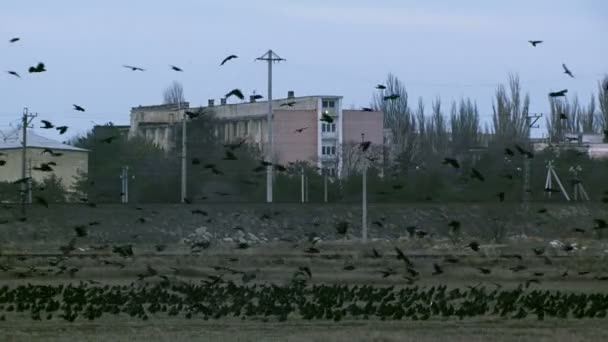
450, 49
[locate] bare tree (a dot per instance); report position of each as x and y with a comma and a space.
510, 114
588, 118
174, 94
464, 121
563, 119
398, 117
602, 96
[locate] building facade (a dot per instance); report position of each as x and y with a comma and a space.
298, 132
69, 164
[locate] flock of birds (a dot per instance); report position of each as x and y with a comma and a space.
217, 297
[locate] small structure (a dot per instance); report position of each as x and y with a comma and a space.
70, 163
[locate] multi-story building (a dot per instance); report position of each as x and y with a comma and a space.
298, 132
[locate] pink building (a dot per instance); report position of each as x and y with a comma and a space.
298, 132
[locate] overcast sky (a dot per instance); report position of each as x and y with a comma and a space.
450, 49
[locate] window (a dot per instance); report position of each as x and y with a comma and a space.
333, 150
333, 127
328, 104
323, 127
323, 150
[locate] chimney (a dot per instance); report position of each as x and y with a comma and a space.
290, 94
210, 103
223, 101
251, 98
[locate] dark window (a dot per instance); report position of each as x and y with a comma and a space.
333, 150
333, 127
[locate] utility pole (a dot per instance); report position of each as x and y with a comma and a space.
184, 163
325, 185
364, 197
26, 183
125, 184
270, 57
302, 184
527, 171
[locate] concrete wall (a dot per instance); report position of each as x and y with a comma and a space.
67, 167
291, 146
356, 122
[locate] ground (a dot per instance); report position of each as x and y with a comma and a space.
277, 261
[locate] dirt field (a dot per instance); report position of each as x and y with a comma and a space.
557, 260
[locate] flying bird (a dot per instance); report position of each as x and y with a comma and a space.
366, 109
14, 73
558, 93
175, 68
54, 154
133, 68
365, 145
563, 116
108, 140
41, 201
13, 40
300, 130
61, 129
509, 152
47, 124
501, 196
452, 162
567, 71
381, 86
474, 245
235, 92
78, 108
228, 58
437, 269
288, 104
391, 97
475, 174
38, 68
258, 97
535, 42
327, 118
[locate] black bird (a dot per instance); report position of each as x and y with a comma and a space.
391, 97
47, 124
349, 267
381, 86
452, 162
542, 211
133, 68
235, 92
230, 156
454, 225
535, 42
523, 151
538, 252
366, 109
501, 196
38, 68
62, 129
160, 248
600, 224
193, 115
300, 130
375, 253
558, 93
475, 174
579, 230
124, 251
484, 270
288, 104
341, 227
78, 108
49, 151
563, 116
44, 167
402, 256
474, 245
13, 40
81, 230
228, 58
312, 250
378, 223
236, 145
258, 97
306, 270
199, 212
175, 68
509, 152
327, 118
365, 145
438, 269
40, 200
196, 161
108, 140
14, 73
567, 71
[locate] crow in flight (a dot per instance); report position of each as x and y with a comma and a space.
228, 58
78, 108
235, 92
567, 71
133, 68
535, 42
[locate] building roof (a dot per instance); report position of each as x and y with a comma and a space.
12, 140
